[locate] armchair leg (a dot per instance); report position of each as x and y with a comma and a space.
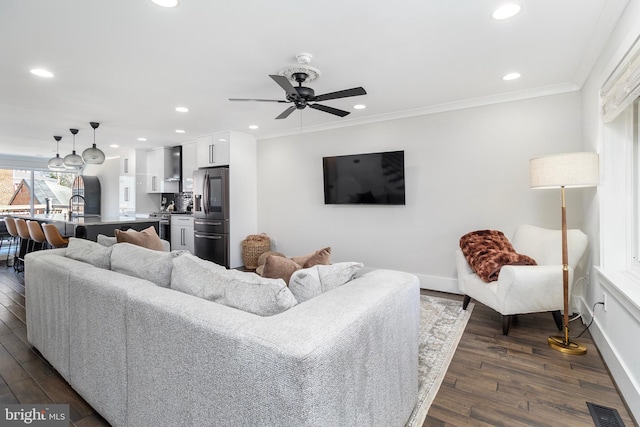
557, 316
466, 301
506, 323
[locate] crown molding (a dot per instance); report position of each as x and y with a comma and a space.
434, 109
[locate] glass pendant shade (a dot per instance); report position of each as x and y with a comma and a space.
56, 163
73, 161
93, 155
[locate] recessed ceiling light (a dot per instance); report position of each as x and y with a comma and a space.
506, 11
142, 139
165, 3
180, 131
41, 72
182, 109
114, 146
253, 127
222, 140
360, 106
511, 76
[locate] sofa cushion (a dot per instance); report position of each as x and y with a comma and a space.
311, 282
136, 261
244, 291
90, 252
321, 256
277, 267
147, 238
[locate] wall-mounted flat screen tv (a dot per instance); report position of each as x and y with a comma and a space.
364, 179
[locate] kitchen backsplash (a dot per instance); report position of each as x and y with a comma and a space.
181, 200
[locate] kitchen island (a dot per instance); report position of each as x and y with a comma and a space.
88, 227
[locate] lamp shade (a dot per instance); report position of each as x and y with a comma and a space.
564, 170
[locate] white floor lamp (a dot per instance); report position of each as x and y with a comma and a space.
565, 171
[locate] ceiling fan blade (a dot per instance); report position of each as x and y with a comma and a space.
284, 84
329, 110
356, 91
286, 112
257, 100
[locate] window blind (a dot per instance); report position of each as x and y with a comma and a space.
623, 86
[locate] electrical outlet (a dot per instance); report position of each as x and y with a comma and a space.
604, 301
274, 242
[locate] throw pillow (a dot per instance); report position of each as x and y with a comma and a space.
321, 256
106, 240
263, 257
277, 267
154, 266
311, 282
147, 238
233, 288
90, 252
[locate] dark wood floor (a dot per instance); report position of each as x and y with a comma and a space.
519, 380
492, 381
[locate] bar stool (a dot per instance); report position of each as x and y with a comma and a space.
53, 236
37, 235
23, 232
13, 232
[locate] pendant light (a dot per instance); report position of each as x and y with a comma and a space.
73, 161
56, 163
93, 155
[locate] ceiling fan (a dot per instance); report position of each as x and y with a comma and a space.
302, 96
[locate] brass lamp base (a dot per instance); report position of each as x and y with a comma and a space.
568, 347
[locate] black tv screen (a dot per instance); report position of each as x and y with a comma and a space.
369, 179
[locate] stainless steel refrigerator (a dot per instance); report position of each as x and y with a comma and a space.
211, 214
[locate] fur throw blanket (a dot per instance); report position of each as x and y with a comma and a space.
487, 251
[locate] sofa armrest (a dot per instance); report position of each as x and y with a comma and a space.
346, 357
531, 289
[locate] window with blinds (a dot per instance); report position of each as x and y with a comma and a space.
623, 86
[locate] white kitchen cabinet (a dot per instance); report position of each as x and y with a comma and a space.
189, 164
182, 233
128, 163
213, 150
158, 170
127, 198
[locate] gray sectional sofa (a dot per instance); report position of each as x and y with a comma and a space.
143, 354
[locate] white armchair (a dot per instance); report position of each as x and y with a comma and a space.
526, 288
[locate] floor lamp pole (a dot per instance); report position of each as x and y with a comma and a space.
563, 343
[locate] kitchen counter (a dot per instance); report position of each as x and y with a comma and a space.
88, 227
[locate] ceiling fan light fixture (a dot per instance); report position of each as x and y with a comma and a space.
93, 155
56, 163
73, 161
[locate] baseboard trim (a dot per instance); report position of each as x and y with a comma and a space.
619, 370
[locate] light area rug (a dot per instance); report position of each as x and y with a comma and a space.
442, 322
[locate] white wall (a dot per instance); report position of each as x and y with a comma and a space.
465, 170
